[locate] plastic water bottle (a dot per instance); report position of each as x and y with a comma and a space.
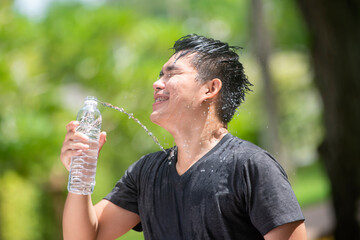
83, 167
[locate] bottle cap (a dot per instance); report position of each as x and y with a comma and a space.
91, 99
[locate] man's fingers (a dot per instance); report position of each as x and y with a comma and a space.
70, 149
81, 137
102, 140
78, 136
75, 143
71, 126
67, 155
70, 145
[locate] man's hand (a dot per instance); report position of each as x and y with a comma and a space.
75, 143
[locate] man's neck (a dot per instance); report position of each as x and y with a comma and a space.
195, 141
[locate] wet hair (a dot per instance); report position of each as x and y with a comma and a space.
216, 59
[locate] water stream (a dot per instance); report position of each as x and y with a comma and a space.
131, 116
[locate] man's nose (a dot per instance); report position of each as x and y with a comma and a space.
158, 85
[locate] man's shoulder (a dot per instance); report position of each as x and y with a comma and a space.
251, 155
160, 154
148, 161
156, 157
242, 147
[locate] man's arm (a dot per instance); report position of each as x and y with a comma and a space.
114, 221
289, 231
105, 220
82, 220
79, 218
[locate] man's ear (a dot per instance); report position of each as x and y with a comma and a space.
212, 88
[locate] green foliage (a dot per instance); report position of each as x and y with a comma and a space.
21, 222
115, 52
311, 184
287, 27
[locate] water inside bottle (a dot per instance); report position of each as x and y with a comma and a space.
83, 169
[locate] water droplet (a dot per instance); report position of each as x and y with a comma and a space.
131, 116
202, 170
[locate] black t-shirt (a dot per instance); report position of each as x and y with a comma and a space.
236, 191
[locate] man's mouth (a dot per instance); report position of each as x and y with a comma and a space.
161, 99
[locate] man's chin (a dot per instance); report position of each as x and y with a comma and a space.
154, 117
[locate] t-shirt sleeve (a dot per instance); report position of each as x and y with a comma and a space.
125, 192
270, 200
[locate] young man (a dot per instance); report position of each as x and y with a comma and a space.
212, 185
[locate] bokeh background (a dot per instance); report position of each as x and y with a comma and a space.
54, 53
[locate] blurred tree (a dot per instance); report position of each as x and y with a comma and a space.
335, 35
261, 40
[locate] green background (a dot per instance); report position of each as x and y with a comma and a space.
114, 51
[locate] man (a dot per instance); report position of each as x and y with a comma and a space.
212, 185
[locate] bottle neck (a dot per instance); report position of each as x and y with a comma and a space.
91, 103
91, 100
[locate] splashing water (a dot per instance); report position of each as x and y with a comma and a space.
131, 116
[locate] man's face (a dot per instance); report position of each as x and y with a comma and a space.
176, 93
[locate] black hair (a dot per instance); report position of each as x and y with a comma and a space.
216, 59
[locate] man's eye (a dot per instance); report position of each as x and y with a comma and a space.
166, 75
172, 74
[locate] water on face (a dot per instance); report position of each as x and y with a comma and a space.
131, 116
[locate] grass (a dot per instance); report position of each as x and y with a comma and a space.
311, 184
132, 235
